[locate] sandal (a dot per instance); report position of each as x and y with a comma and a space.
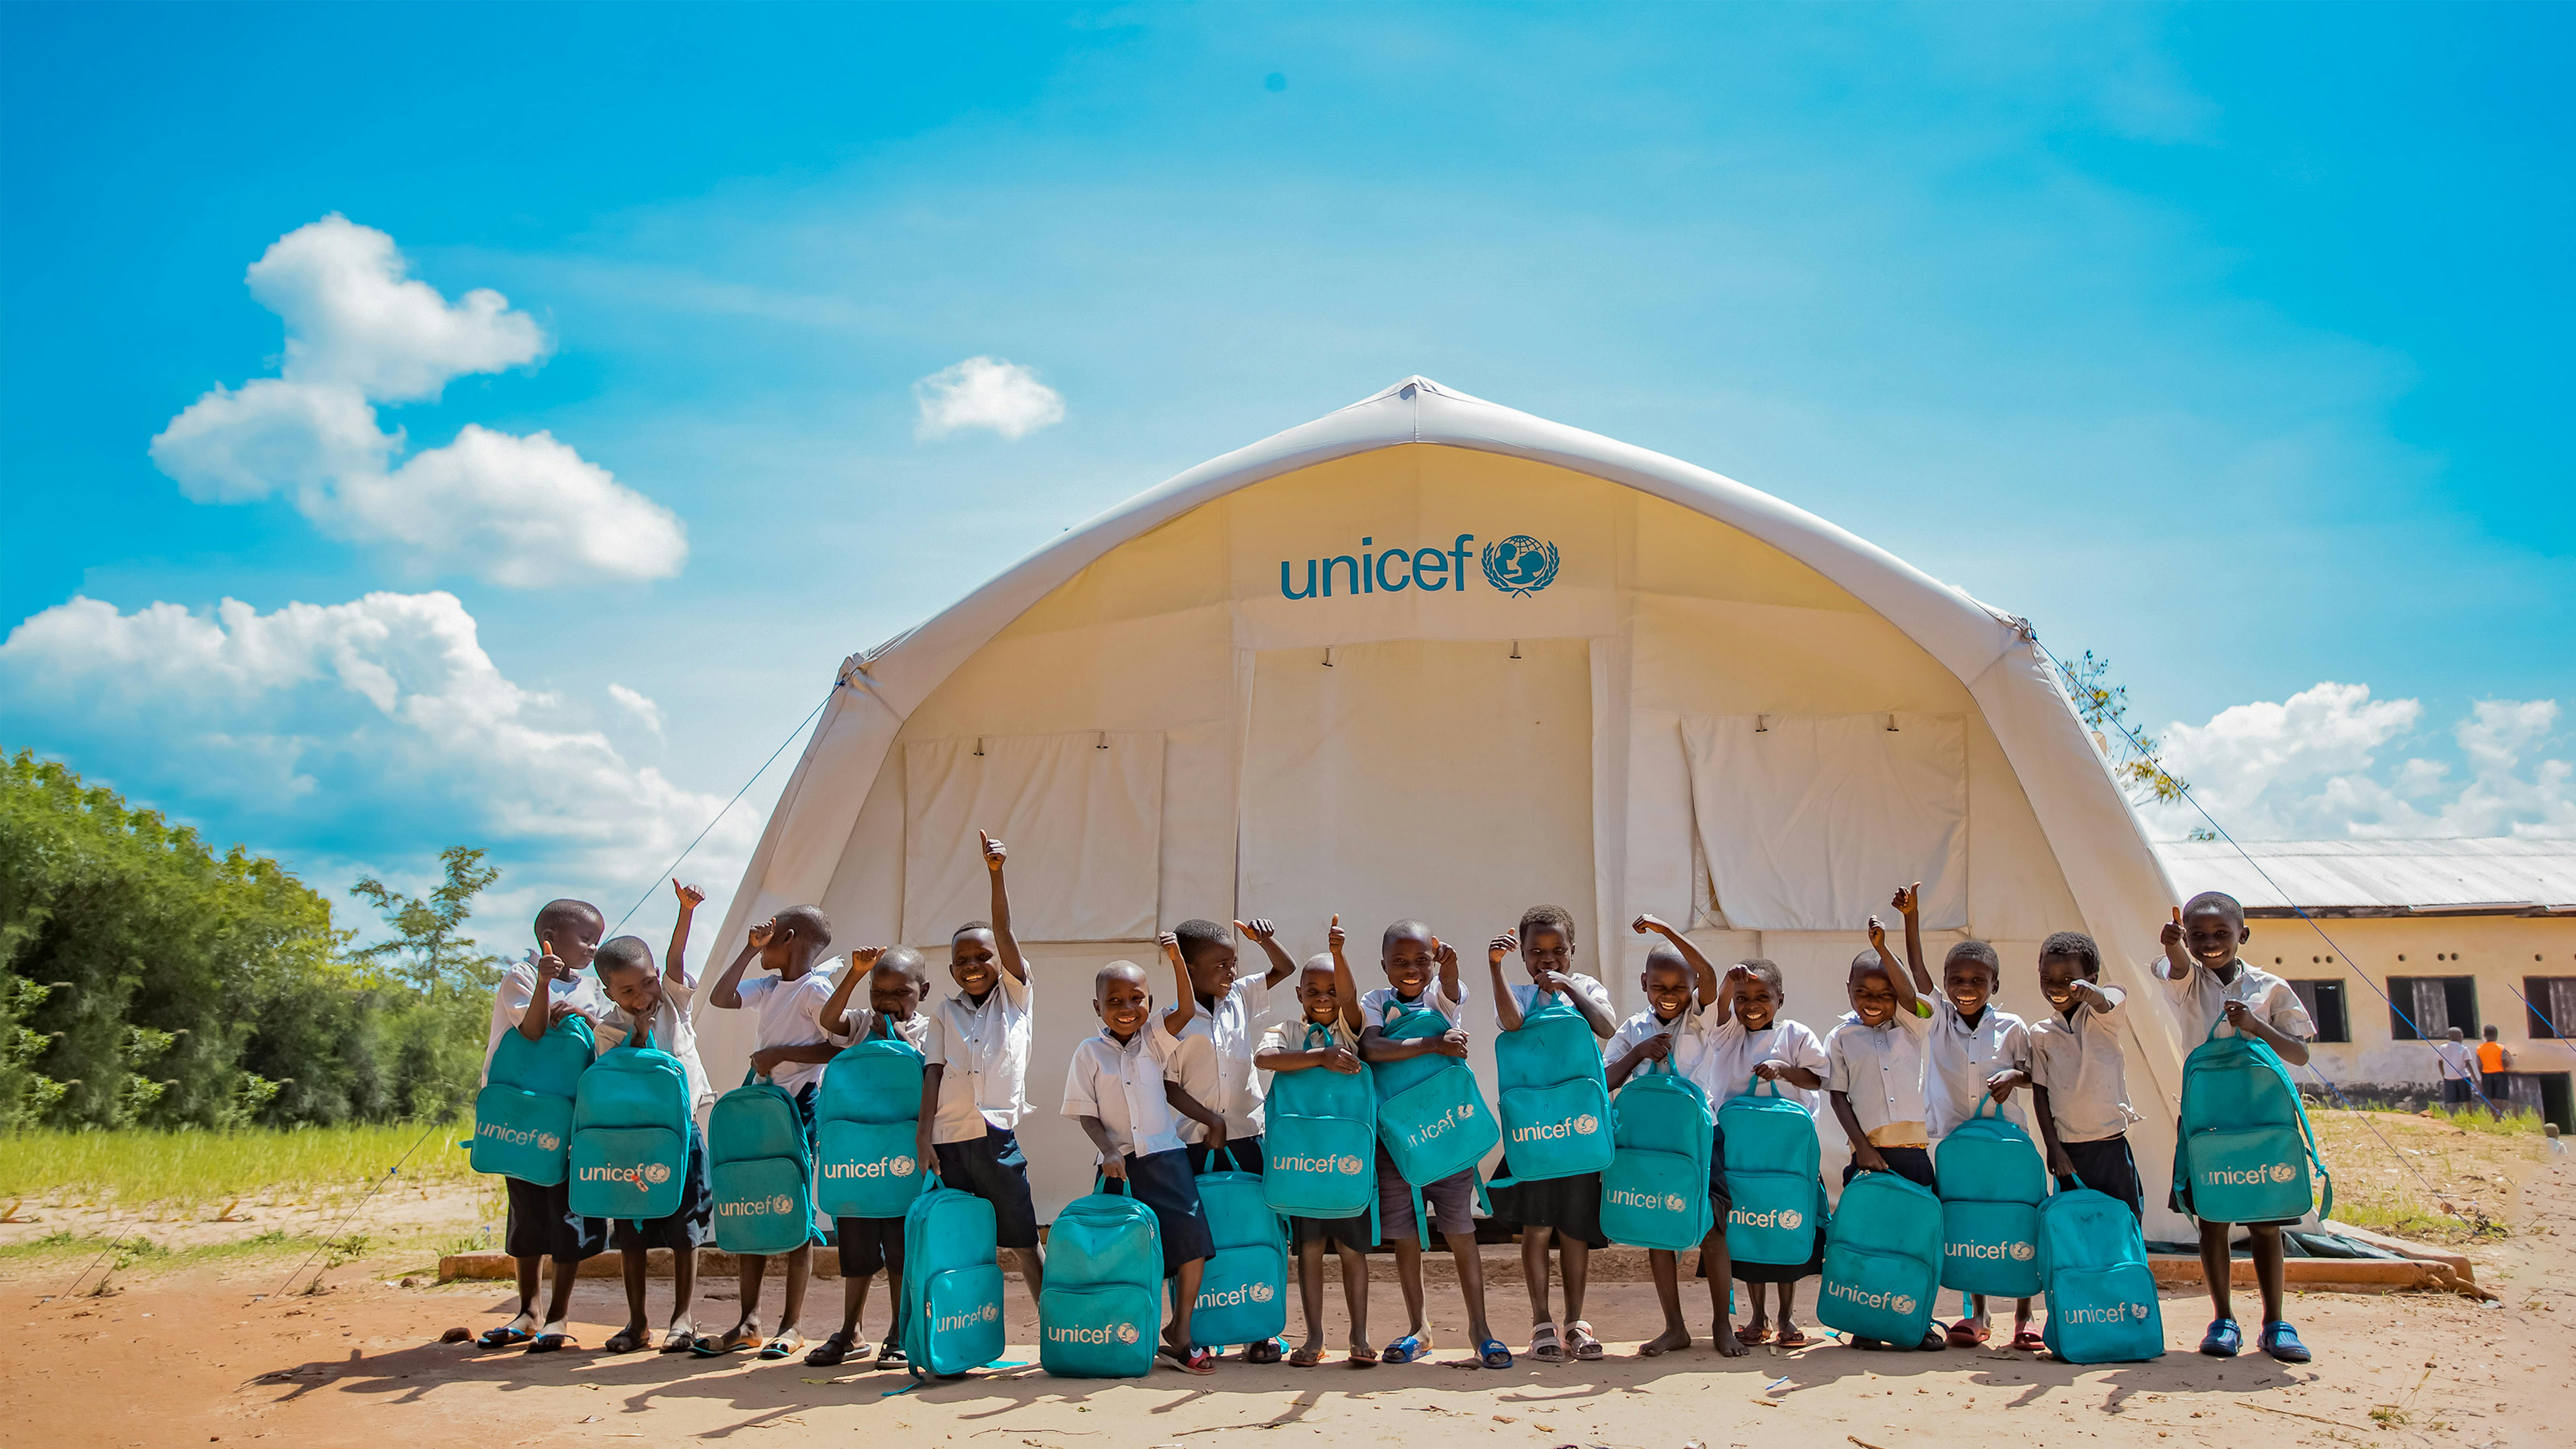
782, 1346
835, 1351
1578, 1336
1196, 1361
1409, 1349
1362, 1356
1266, 1351
504, 1337
2281, 1341
1793, 1337
734, 1340
1969, 1332
1306, 1356
1492, 1349
2224, 1339
1543, 1345
627, 1340
679, 1340
2028, 1341
1758, 1334
890, 1355
553, 1343
1933, 1341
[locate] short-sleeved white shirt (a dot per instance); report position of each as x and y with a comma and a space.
519, 987
1735, 1052
2457, 1062
1525, 994
1217, 1045
1879, 1070
1295, 1036
863, 1020
1962, 1057
1121, 1083
1375, 1001
983, 1055
1693, 1055
790, 1015
2200, 1000
673, 1031
2079, 1060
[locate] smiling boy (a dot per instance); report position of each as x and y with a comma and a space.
1680, 986
1217, 1017
1750, 1041
1325, 1039
974, 1086
1875, 1077
658, 1005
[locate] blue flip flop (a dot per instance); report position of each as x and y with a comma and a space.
2224, 1339
2281, 1341
1407, 1349
1492, 1349
503, 1338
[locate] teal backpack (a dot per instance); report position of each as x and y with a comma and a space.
1992, 1183
1555, 1100
1655, 1193
952, 1287
1319, 1142
760, 1168
2246, 1149
630, 1133
1882, 1260
523, 1115
1100, 1315
1771, 1159
2101, 1294
1430, 1113
1243, 1290
867, 1117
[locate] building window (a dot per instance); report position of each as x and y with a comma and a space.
2425, 1008
2325, 1004
2551, 1002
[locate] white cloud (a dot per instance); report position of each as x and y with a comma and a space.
635, 702
374, 727
527, 512
2330, 762
985, 392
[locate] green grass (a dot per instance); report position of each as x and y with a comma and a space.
2477, 1119
128, 1252
192, 1169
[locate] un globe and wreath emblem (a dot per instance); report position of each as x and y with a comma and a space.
1262, 1292
1673, 1202
657, 1172
1520, 565
1127, 1333
782, 1203
1347, 1163
1902, 1303
2137, 1310
2023, 1252
989, 1312
1586, 1124
1790, 1218
548, 1142
2283, 1172
900, 1166
1466, 1110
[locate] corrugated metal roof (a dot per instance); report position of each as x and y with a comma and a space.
2381, 876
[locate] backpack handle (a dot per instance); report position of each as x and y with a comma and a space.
1756, 1082
1987, 1108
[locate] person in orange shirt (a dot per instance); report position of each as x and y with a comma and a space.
2493, 1062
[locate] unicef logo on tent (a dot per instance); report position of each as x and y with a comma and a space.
1790, 1218
2283, 1172
1347, 1163
1901, 1304
2023, 1252
1127, 1333
1520, 565
1263, 1292
900, 1166
657, 1172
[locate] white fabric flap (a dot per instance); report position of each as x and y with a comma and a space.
1083, 817
1809, 822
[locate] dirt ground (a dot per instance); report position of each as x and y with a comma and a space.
191, 1356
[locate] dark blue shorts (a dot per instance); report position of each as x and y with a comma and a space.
692, 1226
1914, 1164
992, 1168
2106, 1166
542, 1225
868, 1246
1165, 1183
1239, 1154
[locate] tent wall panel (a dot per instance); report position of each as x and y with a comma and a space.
1082, 813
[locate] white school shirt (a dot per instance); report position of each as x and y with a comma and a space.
1962, 1057
791, 1015
1879, 1070
1525, 994
519, 987
983, 1052
914, 1029
1375, 1001
672, 1031
2457, 1064
2079, 1060
1217, 1045
2200, 1000
1734, 1052
1692, 1055
1121, 1083
1293, 1036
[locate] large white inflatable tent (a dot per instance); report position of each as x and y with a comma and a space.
1431, 657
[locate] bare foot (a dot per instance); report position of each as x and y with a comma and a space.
1665, 1342
1728, 1345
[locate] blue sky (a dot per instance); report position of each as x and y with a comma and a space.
2225, 342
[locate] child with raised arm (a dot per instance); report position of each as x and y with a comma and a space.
2079, 1087
2207, 980
1874, 1077
791, 1050
1564, 1211
1125, 1090
897, 981
1680, 986
1750, 1041
1421, 972
1976, 1051
1325, 1039
1217, 1018
534, 994
974, 1089
658, 1004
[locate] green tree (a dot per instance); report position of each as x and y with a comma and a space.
2137, 758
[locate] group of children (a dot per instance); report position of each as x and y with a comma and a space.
1165, 1095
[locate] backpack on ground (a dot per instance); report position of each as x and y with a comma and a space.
867, 1117
523, 1115
1882, 1260
1319, 1144
1654, 1193
1555, 1099
1100, 1315
760, 1168
1771, 1158
630, 1133
2245, 1149
952, 1285
2101, 1294
1430, 1113
1243, 1290
1991, 1183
